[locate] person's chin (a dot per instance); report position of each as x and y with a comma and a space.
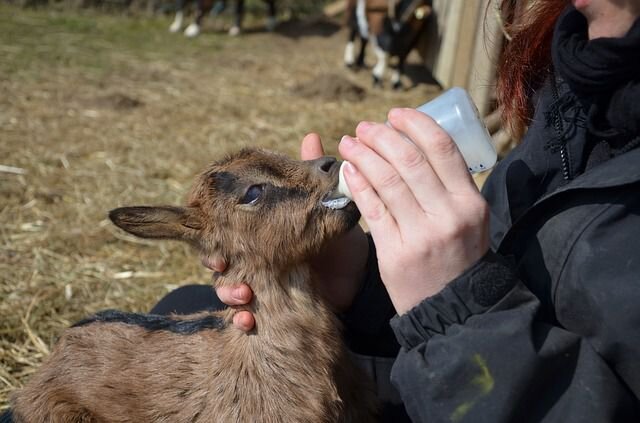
581, 4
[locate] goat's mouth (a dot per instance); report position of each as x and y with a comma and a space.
335, 200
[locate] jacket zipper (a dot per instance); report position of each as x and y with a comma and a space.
557, 123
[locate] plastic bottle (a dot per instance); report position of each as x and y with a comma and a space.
456, 113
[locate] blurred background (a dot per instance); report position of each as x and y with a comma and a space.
102, 105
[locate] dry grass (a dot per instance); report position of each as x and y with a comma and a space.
102, 111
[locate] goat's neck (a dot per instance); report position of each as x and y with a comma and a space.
296, 343
282, 298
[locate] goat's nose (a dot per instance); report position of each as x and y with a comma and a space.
323, 164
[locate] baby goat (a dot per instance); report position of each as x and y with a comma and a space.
265, 213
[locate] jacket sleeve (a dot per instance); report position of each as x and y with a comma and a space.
477, 352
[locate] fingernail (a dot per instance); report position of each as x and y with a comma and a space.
239, 323
347, 141
350, 168
219, 264
397, 110
237, 294
364, 125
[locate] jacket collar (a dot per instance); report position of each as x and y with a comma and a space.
617, 172
620, 170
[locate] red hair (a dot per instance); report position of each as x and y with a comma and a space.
525, 60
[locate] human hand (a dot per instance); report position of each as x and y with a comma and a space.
426, 216
339, 268
234, 295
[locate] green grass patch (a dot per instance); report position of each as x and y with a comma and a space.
36, 40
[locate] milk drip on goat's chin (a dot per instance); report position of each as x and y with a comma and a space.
456, 113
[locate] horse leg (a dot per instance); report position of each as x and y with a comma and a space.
218, 8
398, 71
380, 67
361, 54
176, 25
349, 57
238, 16
358, 27
204, 7
272, 20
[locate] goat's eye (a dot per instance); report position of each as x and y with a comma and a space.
252, 195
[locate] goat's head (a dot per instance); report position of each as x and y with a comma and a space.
256, 205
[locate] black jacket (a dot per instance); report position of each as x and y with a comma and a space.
546, 327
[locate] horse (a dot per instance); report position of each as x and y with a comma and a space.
394, 28
216, 8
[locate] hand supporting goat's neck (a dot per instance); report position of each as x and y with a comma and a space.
282, 299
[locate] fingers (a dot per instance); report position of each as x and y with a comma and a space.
235, 295
238, 295
438, 147
380, 188
374, 211
311, 147
244, 321
216, 263
406, 160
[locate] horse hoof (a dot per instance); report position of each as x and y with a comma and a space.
377, 82
175, 27
397, 86
193, 30
234, 31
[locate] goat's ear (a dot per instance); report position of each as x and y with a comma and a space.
182, 223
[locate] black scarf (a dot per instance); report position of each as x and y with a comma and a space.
604, 74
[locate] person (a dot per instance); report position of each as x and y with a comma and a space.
519, 303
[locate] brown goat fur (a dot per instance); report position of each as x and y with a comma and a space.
293, 367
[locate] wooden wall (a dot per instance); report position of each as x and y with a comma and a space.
462, 45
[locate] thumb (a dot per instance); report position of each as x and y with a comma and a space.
311, 147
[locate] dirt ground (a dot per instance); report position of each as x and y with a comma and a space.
101, 111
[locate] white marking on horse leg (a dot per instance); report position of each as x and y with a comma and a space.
193, 30
349, 56
395, 77
177, 22
234, 30
361, 18
381, 61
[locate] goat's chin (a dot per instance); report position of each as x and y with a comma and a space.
350, 215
